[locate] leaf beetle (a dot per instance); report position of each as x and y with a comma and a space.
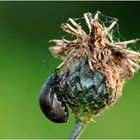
50, 100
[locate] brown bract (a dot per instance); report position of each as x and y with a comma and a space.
114, 59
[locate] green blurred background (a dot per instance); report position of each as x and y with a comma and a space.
25, 29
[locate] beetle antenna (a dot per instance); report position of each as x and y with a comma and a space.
50, 67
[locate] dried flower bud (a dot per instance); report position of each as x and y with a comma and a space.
96, 67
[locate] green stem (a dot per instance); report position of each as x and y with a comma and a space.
78, 130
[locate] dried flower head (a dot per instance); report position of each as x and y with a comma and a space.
95, 68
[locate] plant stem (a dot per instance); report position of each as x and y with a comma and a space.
78, 130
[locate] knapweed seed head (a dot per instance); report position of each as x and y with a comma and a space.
95, 68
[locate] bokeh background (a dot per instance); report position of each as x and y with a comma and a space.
25, 29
